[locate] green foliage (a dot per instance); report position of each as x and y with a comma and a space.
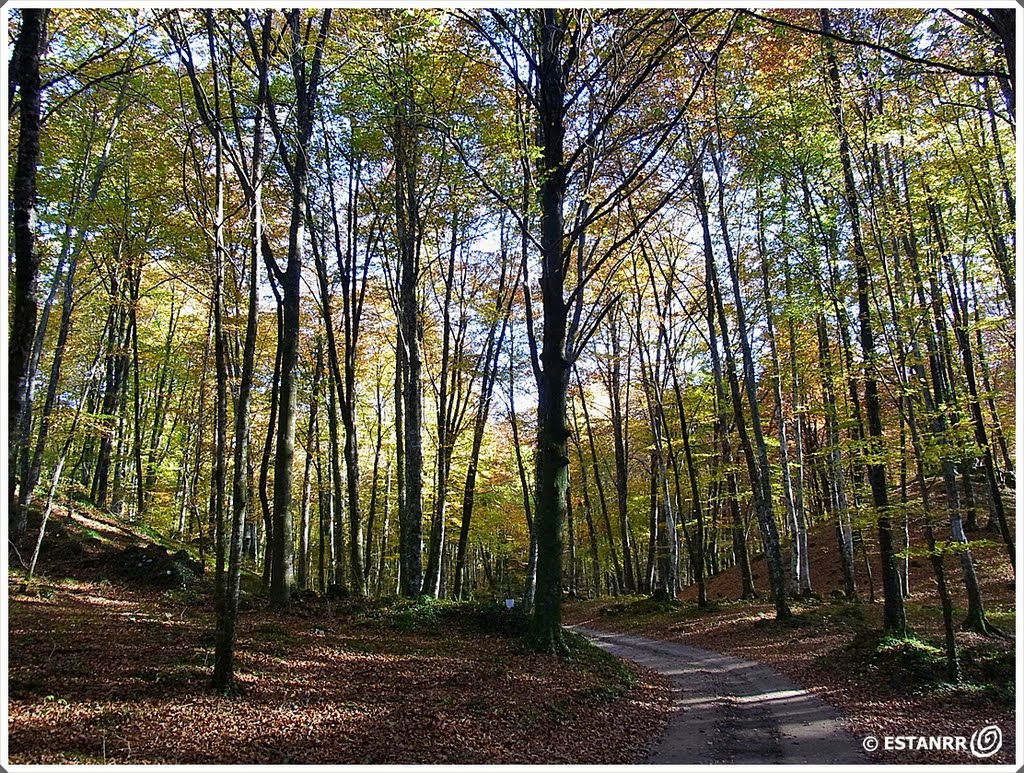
647, 606
912, 664
429, 615
908, 663
616, 678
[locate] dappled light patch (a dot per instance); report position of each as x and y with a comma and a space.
106, 674
822, 649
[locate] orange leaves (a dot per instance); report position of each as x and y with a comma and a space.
317, 687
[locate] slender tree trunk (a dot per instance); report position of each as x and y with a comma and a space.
268, 452
219, 476
986, 383
935, 555
312, 433
382, 564
164, 387
140, 489
371, 515
798, 443
894, 616
337, 490
491, 356
282, 580
836, 468
756, 467
570, 531
119, 336
595, 556
619, 431
797, 560
599, 482
306, 77
531, 565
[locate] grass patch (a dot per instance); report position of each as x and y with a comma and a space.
615, 679
908, 663
647, 606
991, 673
429, 615
251, 584
847, 612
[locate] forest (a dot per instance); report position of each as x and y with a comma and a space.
417, 323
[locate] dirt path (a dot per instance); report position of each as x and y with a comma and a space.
730, 710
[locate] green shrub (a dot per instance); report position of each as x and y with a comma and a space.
908, 663
646, 606
614, 675
427, 614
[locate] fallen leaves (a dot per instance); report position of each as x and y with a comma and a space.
870, 704
126, 682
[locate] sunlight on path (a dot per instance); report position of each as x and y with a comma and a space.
729, 710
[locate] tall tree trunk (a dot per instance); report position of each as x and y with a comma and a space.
798, 444
445, 429
836, 469
619, 435
599, 482
220, 445
934, 554
118, 344
488, 377
223, 672
140, 489
797, 560
337, 489
282, 574
28, 50
312, 433
894, 615
407, 218
353, 287
306, 77
164, 387
268, 453
371, 514
552, 460
756, 466
595, 555
528, 512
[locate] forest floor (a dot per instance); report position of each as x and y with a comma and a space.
106, 666
835, 649
110, 657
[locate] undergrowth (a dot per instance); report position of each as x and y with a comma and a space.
646, 606
426, 614
614, 676
914, 664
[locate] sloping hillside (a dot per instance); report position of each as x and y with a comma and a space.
111, 654
884, 685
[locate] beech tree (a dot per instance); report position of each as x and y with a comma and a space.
28, 49
557, 63
558, 301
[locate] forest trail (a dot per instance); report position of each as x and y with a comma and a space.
730, 710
